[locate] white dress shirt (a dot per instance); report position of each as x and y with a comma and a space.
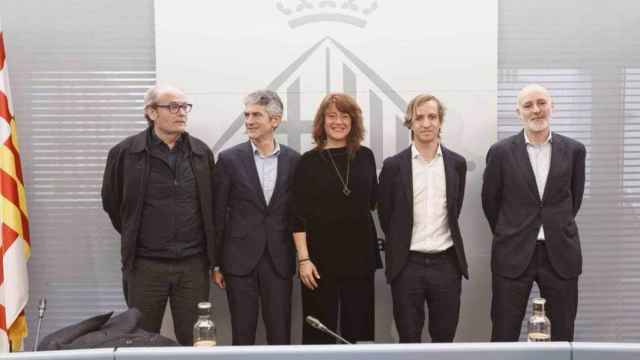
431, 232
540, 158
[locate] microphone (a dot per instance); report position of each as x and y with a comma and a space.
42, 307
316, 324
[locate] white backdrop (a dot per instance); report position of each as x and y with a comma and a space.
382, 52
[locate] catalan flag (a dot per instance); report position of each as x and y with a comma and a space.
14, 236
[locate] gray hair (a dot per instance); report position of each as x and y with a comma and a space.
267, 98
152, 95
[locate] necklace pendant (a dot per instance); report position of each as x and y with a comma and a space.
346, 191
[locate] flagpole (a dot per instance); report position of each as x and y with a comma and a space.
14, 224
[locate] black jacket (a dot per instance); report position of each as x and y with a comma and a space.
104, 331
395, 207
125, 182
515, 211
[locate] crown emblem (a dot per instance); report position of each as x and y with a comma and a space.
303, 12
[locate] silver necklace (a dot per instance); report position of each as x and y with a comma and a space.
345, 184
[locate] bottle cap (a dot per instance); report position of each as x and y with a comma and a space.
539, 301
205, 305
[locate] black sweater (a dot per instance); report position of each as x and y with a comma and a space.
341, 236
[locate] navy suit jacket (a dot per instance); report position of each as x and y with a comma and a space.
395, 207
515, 210
246, 226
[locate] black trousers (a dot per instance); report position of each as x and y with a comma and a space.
510, 297
184, 281
352, 299
262, 284
436, 280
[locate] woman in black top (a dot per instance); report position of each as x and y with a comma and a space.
334, 193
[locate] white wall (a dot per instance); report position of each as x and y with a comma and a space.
220, 52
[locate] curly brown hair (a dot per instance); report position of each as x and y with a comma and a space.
346, 104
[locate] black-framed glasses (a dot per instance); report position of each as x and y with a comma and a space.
174, 107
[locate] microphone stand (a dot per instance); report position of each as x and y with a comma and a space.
316, 324
42, 307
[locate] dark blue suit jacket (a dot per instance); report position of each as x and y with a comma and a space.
515, 210
246, 225
395, 207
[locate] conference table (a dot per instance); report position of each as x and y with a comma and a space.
456, 351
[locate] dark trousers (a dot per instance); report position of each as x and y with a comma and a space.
184, 281
262, 284
510, 297
351, 298
436, 280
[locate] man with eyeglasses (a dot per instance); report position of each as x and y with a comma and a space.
157, 192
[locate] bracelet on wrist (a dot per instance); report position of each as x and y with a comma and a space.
303, 260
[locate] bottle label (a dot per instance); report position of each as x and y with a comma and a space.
538, 336
204, 343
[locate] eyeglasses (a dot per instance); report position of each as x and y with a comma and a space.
174, 107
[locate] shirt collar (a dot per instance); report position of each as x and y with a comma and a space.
526, 139
155, 140
415, 154
276, 149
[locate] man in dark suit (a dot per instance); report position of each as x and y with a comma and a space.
254, 239
421, 194
532, 191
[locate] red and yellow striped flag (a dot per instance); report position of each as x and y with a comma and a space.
14, 246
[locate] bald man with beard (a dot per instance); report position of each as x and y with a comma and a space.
532, 191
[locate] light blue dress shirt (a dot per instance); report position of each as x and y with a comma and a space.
267, 166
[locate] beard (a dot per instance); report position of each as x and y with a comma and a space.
538, 125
